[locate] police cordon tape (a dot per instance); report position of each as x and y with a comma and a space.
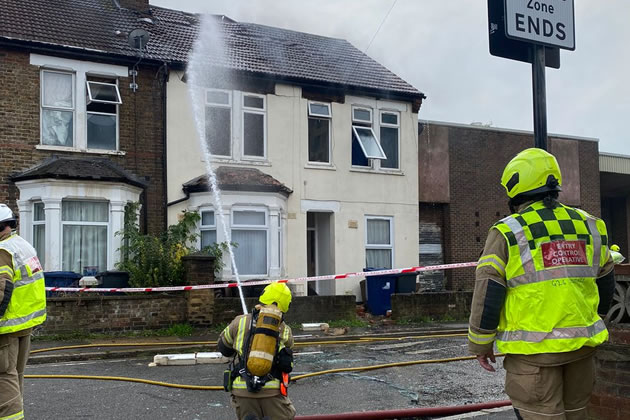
409, 270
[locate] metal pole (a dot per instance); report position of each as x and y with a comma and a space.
540, 98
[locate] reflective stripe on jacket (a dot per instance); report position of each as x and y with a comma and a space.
554, 259
27, 307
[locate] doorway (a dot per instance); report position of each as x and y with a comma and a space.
320, 251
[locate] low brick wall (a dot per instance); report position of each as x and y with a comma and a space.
436, 305
302, 309
113, 313
611, 396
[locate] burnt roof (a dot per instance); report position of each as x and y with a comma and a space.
238, 179
96, 169
99, 27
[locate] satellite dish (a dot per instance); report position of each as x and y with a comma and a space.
138, 39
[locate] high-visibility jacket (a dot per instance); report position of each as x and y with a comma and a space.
554, 259
238, 343
27, 307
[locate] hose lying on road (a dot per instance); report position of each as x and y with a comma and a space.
361, 340
220, 388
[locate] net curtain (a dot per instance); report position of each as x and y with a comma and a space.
85, 226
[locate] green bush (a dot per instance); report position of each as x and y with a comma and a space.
156, 260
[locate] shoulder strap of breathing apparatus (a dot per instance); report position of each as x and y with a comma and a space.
255, 383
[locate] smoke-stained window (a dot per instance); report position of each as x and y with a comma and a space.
218, 122
58, 108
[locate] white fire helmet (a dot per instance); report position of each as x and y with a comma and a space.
6, 215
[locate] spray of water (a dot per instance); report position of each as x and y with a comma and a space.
206, 68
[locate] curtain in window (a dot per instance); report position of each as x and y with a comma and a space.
57, 125
378, 258
208, 237
84, 245
39, 242
251, 252
378, 232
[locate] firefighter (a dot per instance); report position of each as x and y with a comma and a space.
258, 389
22, 307
543, 284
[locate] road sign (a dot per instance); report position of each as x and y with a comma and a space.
546, 22
502, 46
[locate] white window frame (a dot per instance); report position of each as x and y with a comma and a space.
382, 156
57, 108
203, 227
362, 108
208, 103
264, 227
311, 113
118, 100
39, 223
389, 246
390, 125
258, 111
328, 117
89, 97
107, 224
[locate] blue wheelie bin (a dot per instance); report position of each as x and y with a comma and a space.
379, 291
60, 279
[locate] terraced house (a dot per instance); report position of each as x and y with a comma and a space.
314, 143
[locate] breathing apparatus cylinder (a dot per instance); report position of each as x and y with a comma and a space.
264, 341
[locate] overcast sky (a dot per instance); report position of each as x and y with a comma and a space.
441, 48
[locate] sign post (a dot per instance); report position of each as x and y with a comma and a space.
543, 24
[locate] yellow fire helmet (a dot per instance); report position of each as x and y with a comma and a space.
532, 171
278, 293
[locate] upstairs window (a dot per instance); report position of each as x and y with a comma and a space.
58, 108
254, 126
319, 117
219, 122
390, 139
102, 103
208, 228
365, 145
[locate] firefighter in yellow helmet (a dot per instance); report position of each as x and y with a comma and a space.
261, 344
542, 285
22, 307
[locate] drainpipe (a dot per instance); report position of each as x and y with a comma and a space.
408, 413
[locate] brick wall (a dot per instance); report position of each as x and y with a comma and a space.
477, 157
141, 131
302, 309
113, 313
199, 269
435, 305
611, 396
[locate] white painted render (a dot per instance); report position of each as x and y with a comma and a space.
349, 193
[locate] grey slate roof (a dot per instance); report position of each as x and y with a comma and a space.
96, 169
99, 27
238, 179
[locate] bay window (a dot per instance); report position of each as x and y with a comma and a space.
379, 245
208, 228
39, 231
84, 232
249, 232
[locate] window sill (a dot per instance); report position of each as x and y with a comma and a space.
75, 150
324, 166
396, 172
242, 161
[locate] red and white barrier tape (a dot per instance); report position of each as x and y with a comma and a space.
262, 282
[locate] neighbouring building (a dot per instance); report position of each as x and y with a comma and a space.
315, 149
81, 126
615, 194
460, 195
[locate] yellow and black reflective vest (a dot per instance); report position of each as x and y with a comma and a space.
27, 307
239, 342
554, 259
